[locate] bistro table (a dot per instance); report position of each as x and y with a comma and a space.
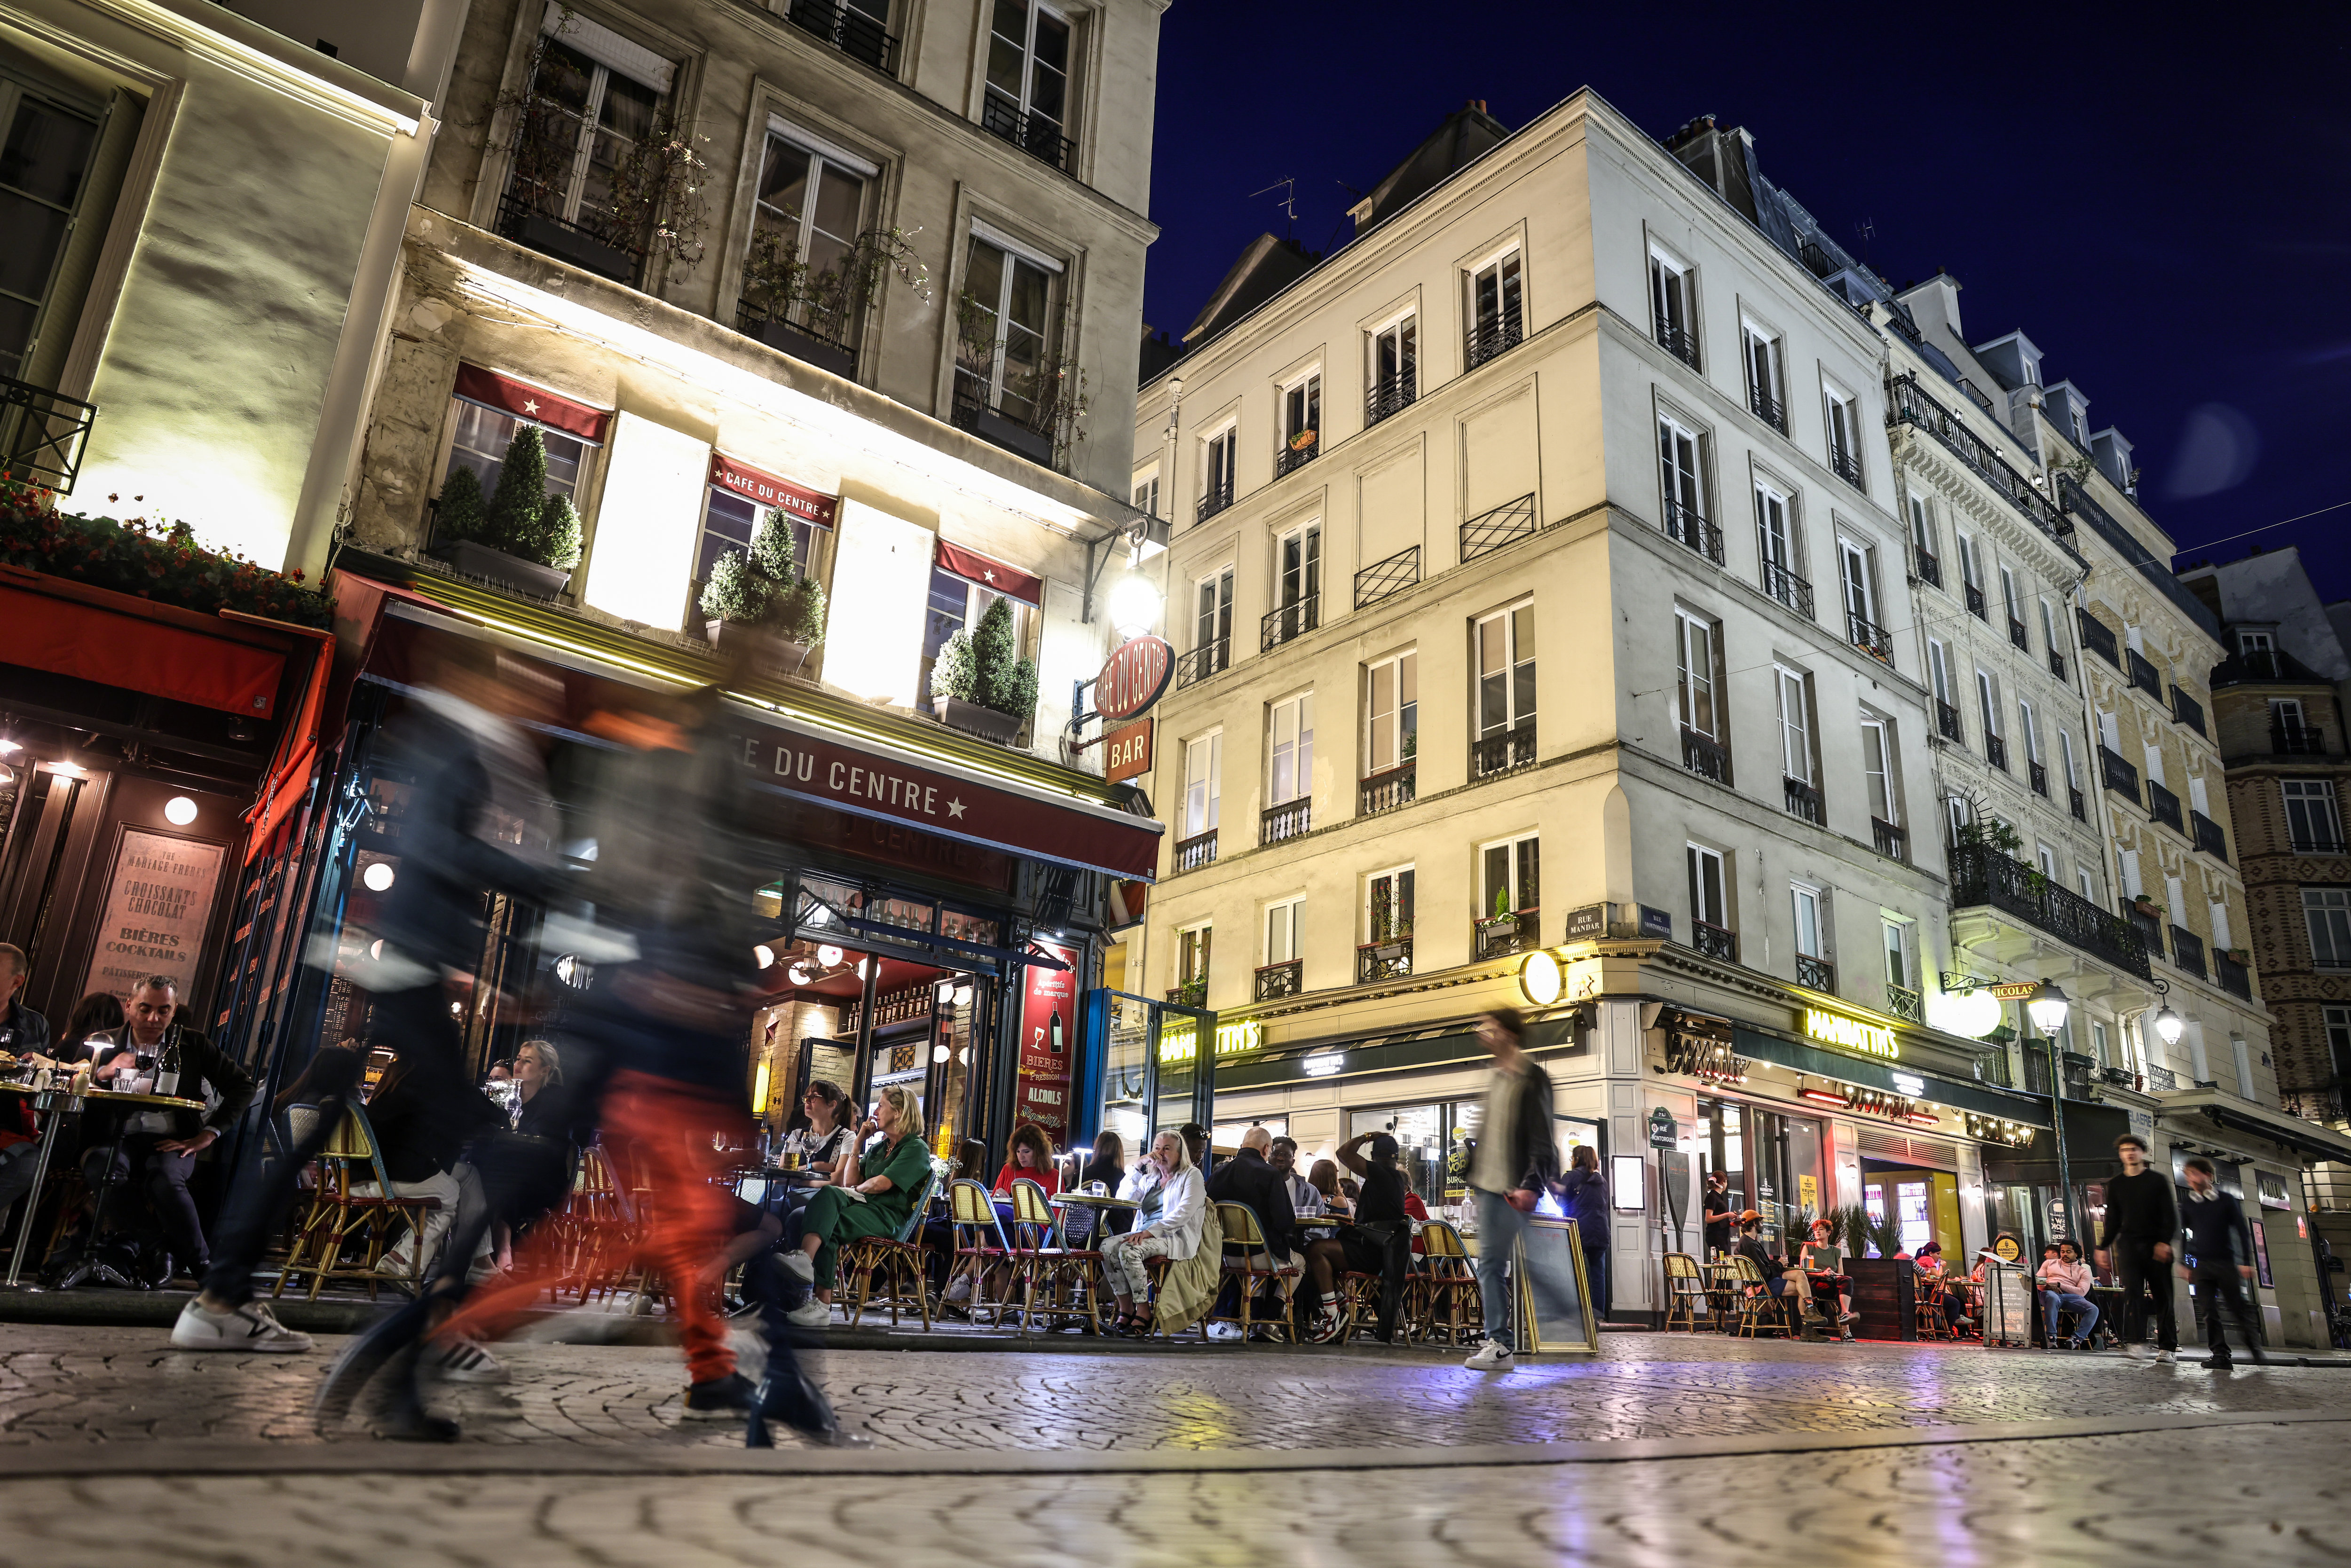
63, 1100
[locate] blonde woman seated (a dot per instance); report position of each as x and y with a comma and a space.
1173, 1234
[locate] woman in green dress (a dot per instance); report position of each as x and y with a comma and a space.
864, 1205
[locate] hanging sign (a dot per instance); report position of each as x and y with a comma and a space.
1127, 751
1049, 1023
750, 483
1134, 676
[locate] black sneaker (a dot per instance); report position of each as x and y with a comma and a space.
719, 1398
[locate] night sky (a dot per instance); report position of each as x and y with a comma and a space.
2159, 196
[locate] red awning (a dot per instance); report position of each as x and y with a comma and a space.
1010, 581
744, 480
297, 749
536, 404
143, 651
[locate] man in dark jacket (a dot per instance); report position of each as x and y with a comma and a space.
1515, 1163
2220, 1246
1250, 1178
2142, 1218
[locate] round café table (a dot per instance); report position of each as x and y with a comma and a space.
62, 1100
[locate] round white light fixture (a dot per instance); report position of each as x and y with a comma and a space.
375, 949
829, 956
1134, 605
861, 963
1539, 978
178, 811
378, 876
939, 1053
2048, 1007
799, 975
963, 995
2169, 1025
765, 954
1972, 1014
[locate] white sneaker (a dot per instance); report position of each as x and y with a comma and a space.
1492, 1355
801, 1265
468, 1361
1224, 1332
2165, 1358
252, 1327
958, 1288
811, 1314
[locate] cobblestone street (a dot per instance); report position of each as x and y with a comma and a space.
114, 1448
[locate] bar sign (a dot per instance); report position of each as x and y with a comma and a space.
1127, 751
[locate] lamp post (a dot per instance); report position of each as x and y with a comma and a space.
2047, 1007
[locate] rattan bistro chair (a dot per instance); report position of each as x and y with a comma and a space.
1758, 1310
896, 1260
1047, 1257
1255, 1267
981, 1247
1442, 1298
339, 1216
1685, 1291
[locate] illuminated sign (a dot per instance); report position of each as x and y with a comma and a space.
1851, 1034
1540, 978
1179, 1043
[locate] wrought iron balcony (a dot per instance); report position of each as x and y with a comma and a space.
2162, 1078
1289, 621
1502, 752
2297, 739
1033, 133
1893, 842
1976, 605
2163, 806
2188, 710
2233, 977
1715, 941
1386, 578
1489, 531
1905, 1003
1287, 820
1490, 338
1512, 933
1768, 409
1391, 396
1705, 756
1994, 1070
2188, 951
1869, 637
1909, 405
1787, 587
2074, 799
2318, 843
42, 434
1818, 974
1290, 456
2016, 634
2038, 773
860, 36
816, 342
1388, 961
1219, 496
1192, 993
2057, 664
2143, 674
603, 250
1196, 852
1924, 566
2149, 926
1387, 791
1946, 720
2099, 638
1683, 525
1208, 659
1983, 876
1846, 467
1275, 981
1803, 799
1678, 341
1996, 750
2120, 776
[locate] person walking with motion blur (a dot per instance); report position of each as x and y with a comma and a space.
1515, 1164
2219, 1262
2141, 1222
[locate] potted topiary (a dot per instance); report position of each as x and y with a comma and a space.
978, 682
763, 587
522, 537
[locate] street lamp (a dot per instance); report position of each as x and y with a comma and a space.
2048, 1007
2169, 1025
1134, 605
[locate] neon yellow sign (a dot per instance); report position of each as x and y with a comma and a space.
1179, 1044
1852, 1034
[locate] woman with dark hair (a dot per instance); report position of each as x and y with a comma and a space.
1585, 1194
1106, 1164
823, 1143
1031, 1156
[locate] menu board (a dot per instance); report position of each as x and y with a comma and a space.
159, 900
1049, 1027
1545, 1323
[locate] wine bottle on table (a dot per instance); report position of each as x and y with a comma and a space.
167, 1065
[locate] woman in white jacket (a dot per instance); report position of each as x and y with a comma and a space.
1173, 1234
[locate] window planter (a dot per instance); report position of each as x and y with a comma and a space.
565, 242
805, 347
1010, 435
770, 655
974, 719
508, 570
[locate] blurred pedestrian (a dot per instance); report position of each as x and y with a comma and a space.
2220, 1248
2142, 1221
1516, 1163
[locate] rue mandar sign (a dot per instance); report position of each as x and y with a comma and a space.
1134, 676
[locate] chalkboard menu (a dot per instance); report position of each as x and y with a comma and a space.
1886, 1295
2008, 1306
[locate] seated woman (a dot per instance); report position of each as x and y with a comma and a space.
1820, 1260
1173, 1233
1106, 1164
1776, 1275
2065, 1281
875, 1204
824, 1148
1379, 1242
1031, 1156
1933, 1279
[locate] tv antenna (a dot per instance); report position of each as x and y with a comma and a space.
1288, 186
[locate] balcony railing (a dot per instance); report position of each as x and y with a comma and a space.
1387, 791
853, 33
2099, 638
1994, 1070
2057, 664
1275, 981
1208, 659
2162, 1079
1909, 405
1685, 527
1290, 621
2317, 843
42, 434
1386, 578
1033, 133
1388, 961
2233, 977
1846, 467
1768, 409
1192, 993
1924, 566
523, 220
1291, 457
2039, 773
1996, 750
1893, 842
1196, 852
2163, 806
2119, 775
1905, 1003
2016, 634
2188, 710
1512, 933
1803, 799
1705, 756
1976, 604
1489, 531
1391, 396
1219, 496
2188, 951
1490, 338
1982, 875
1678, 341
1946, 720
2143, 674
1869, 637
815, 341
1715, 941
1287, 820
2297, 740
1787, 587
1502, 752
2074, 799
1818, 974
2149, 928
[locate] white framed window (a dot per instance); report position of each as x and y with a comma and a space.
1146, 493
2198, 801
2218, 911
2048, 629
2029, 730
1682, 477
1673, 306
1393, 363
2313, 822
2285, 715
956, 603
1793, 692
1290, 756
1988, 697
1301, 417
1922, 525
1001, 337
1204, 768
2154, 764
582, 120
1027, 94
2046, 859
1775, 531
805, 223
2065, 755
2110, 732
1938, 672
1877, 770
2099, 1045
1897, 952
2132, 885
1497, 318
1956, 815
1709, 887
1387, 906
1298, 568
1697, 651
1505, 644
1510, 877
1971, 567
1285, 930
2008, 596
1217, 456
2088, 880
1212, 622
1856, 574
729, 521
1766, 384
1845, 433
1193, 944
1392, 690
1807, 903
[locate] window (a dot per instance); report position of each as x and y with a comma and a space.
480, 442
1765, 386
2338, 1039
48, 143
1506, 671
1922, 532
729, 521
1394, 369
1774, 537
1807, 902
1212, 622
809, 212
1988, 695
2219, 915
1302, 423
1395, 697
1496, 323
2046, 859
1387, 906
1844, 437
957, 605
1679, 459
1027, 94
1204, 767
581, 122
1285, 930
2008, 596
1192, 944
1146, 493
1938, 672
1897, 953
2049, 631
1696, 641
2088, 880
1290, 770
1795, 724
1971, 569
1877, 770
2285, 715
1297, 567
2099, 1047
1001, 333
1216, 472
2312, 822
1510, 877
1708, 886
2031, 732
1673, 311
1957, 814
2260, 644
1855, 574
2065, 755
2155, 765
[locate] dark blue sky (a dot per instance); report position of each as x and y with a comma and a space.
2159, 196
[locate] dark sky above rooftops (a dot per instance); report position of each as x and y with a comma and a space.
2159, 196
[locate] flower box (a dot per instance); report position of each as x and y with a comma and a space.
974, 719
1013, 436
497, 566
583, 250
805, 347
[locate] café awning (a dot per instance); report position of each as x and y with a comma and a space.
2309, 1139
117, 640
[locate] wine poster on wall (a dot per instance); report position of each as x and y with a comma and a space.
158, 903
1049, 1031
